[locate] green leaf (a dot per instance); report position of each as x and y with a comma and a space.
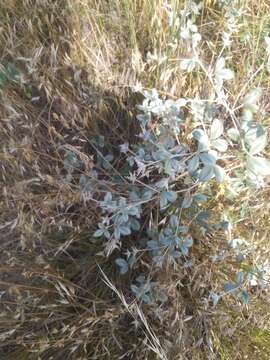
135, 289
251, 99
166, 197
125, 229
198, 134
199, 198
152, 244
188, 241
108, 197
134, 211
163, 200
131, 260
82, 180
174, 221
219, 173
176, 254
221, 72
220, 144
98, 233
187, 201
258, 145
201, 137
13, 72
122, 265
220, 64
117, 233
230, 287
225, 74
193, 164
146, 298
216, 129
215, 298
135, 224
184, 250
247, 114
171, 196
258, 165
208, 159
244, 297
240, 276
147, 194
233, 134
206, 173
188, 65
252, 132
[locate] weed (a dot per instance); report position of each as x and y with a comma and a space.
134, 170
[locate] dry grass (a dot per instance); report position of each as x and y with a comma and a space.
77, 63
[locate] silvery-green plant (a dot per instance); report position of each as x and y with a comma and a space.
164, 174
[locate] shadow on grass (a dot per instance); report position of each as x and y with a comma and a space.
54, 303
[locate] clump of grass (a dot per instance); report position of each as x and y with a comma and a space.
68, 70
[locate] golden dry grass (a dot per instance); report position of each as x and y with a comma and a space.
69, 69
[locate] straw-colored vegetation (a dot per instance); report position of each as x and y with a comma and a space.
72, 74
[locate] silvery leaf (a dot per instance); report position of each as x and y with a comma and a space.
216, 129
220, 144
206, 173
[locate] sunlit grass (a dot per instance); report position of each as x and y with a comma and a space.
79, 62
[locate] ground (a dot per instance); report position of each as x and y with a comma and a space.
73, 71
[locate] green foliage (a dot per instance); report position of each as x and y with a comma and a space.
155, 163
10, 73
147, 237
163, 155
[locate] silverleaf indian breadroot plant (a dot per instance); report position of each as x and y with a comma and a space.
163, 175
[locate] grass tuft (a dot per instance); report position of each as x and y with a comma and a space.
68, 74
